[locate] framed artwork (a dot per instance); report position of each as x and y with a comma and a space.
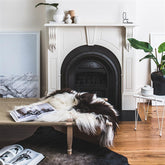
19, 64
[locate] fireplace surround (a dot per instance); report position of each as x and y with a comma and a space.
94, 58
93, 69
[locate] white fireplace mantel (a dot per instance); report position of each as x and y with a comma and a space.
63, 38
128, 30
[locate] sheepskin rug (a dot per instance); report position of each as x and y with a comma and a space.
52, 144
87, 110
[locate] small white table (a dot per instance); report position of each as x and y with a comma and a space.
155, 98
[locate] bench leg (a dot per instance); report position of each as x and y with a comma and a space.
69, 139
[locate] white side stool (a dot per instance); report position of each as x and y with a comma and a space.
155, 98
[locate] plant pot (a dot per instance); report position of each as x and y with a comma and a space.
158, 83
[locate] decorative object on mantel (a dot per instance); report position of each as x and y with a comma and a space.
68, 19
157, 77
72, 14
147, 90
125, 19
59, 16
76, 19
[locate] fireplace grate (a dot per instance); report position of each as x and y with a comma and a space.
90, 80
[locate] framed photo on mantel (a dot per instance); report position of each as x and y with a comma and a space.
19, 64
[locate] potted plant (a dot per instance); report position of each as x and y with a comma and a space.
158, 77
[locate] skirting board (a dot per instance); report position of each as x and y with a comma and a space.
128, 101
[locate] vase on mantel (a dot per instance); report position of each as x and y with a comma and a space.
59, 15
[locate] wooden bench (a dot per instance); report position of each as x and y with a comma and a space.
28, 128
6, 120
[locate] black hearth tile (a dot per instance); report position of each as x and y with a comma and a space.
128, 115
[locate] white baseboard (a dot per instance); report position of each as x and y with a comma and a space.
128, 101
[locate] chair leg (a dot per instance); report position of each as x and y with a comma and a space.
69, 139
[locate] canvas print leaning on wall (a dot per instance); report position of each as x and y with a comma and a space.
20, 65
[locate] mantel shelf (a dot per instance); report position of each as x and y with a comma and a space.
89, 25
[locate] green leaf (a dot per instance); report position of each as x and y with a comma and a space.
163, 64
140, 45
161, 47
49, 4
163, 60
163, 57
163, 71
162, 68
151, 56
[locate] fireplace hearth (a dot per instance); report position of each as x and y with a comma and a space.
93, 69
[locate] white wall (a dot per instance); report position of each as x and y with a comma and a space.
21, 15
150, 19
18, 15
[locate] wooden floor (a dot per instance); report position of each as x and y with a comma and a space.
143, 146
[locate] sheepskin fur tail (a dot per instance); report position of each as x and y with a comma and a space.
106, 115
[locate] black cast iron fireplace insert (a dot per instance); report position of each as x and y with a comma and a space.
93, 69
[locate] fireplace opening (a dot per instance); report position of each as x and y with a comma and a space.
93, 69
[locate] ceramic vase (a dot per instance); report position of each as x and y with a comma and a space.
59, 16
76, 19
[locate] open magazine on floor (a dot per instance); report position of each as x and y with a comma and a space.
17, 155
29, 113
